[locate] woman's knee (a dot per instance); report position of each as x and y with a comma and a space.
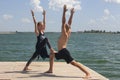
52, 55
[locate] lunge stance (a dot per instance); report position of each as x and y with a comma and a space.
42, 41
63, 53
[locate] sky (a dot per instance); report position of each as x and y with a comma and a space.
15, 15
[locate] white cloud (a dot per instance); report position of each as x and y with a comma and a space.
113, 1
7, 16
36, 5
106, 12
57, 4
25, 20
107, 22
107, 15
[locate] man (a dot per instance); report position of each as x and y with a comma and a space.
63, 53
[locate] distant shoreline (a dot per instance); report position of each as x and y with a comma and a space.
91, 31
7, 32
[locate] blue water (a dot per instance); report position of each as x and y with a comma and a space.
101, 52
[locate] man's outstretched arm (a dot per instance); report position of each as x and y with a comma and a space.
64, 16
71, 16
64, 19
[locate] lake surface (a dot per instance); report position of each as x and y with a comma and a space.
99, 51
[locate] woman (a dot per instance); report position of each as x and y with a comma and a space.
41, 40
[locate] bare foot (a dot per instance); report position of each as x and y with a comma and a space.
26, 69
87, 77
48, 71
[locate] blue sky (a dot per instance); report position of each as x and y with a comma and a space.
90, 14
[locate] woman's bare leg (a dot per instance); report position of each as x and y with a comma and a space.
51, 63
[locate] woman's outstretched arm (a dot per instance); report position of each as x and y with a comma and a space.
44, 18
35, 23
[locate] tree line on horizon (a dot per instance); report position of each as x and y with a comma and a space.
99, 31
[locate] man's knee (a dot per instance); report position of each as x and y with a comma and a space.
74, 63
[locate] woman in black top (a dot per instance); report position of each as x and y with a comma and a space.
42, 41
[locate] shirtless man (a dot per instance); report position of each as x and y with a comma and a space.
63, 53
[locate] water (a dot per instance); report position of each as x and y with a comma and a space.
101, 52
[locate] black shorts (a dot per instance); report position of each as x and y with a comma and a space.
64, 54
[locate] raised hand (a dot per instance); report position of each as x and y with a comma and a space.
72, 10
44, 12
53, 51
32, 12
65, 8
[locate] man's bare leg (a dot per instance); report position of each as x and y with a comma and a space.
51, 63
81, 67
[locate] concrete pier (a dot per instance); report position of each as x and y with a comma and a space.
62, 71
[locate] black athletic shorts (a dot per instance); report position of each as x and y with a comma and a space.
64, 54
